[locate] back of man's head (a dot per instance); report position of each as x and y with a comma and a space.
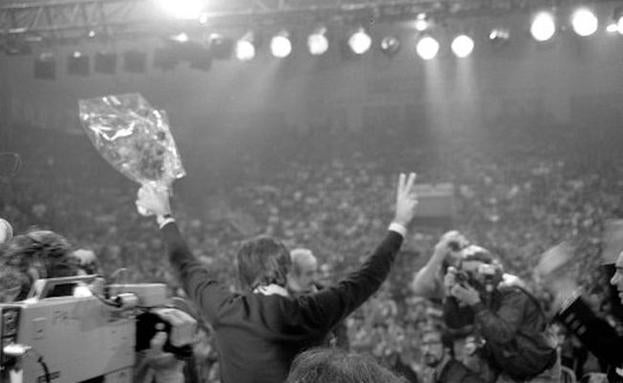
338, 366
263, 261
39, 254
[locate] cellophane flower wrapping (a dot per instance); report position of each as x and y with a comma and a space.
133, 137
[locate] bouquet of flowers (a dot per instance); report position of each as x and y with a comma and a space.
133, 137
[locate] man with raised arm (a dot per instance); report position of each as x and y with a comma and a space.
259, 330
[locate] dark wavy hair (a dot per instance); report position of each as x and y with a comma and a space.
263, 261
39, 254
321, 365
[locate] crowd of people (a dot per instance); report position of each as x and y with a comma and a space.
517, 196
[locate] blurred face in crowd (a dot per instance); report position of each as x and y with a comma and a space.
617, 279
304, 271
432, 348
6, 231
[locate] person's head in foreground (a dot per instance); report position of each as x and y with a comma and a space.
323, 365
35, 255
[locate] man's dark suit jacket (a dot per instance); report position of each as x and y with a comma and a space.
455, 372
597, 335
257, 336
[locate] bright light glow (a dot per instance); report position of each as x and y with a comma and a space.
245, 50
390, 45
620, 25
462, 46
584, 22
281, 46
181, 38
421, 24
499, 34
543, 27
77, 54
317, 43
427, 48
612, 28
182, 9
360, 42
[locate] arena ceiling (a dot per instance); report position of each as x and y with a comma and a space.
56, 21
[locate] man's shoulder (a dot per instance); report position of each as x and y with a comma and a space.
457, 373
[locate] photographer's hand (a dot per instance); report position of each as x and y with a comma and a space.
447, 244
465, 294
449, 279
425, 281
167, 369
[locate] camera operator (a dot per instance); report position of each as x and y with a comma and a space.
260, 330
509, 319
46, 254
575, 312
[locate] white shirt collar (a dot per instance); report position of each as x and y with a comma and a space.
271, 289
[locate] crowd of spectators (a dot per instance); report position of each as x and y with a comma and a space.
519, 192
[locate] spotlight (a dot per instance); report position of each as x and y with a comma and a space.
612, 28
584, 22
245, 48
280, 45
317, 42
499, 35
421, 23
617, 21
182, 9
462, 46
360, 42
220, 46
78, 64
45, 67
427, 48
543, 27
390, 45
180, 38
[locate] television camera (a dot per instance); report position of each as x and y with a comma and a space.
76, 329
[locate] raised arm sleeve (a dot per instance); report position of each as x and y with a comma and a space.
208, 294
327, 307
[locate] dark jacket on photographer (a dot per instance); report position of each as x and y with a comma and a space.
512, 324
509, 319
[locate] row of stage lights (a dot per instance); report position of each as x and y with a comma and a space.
543, 28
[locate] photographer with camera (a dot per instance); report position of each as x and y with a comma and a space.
484, 310
261, 329
509, 320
